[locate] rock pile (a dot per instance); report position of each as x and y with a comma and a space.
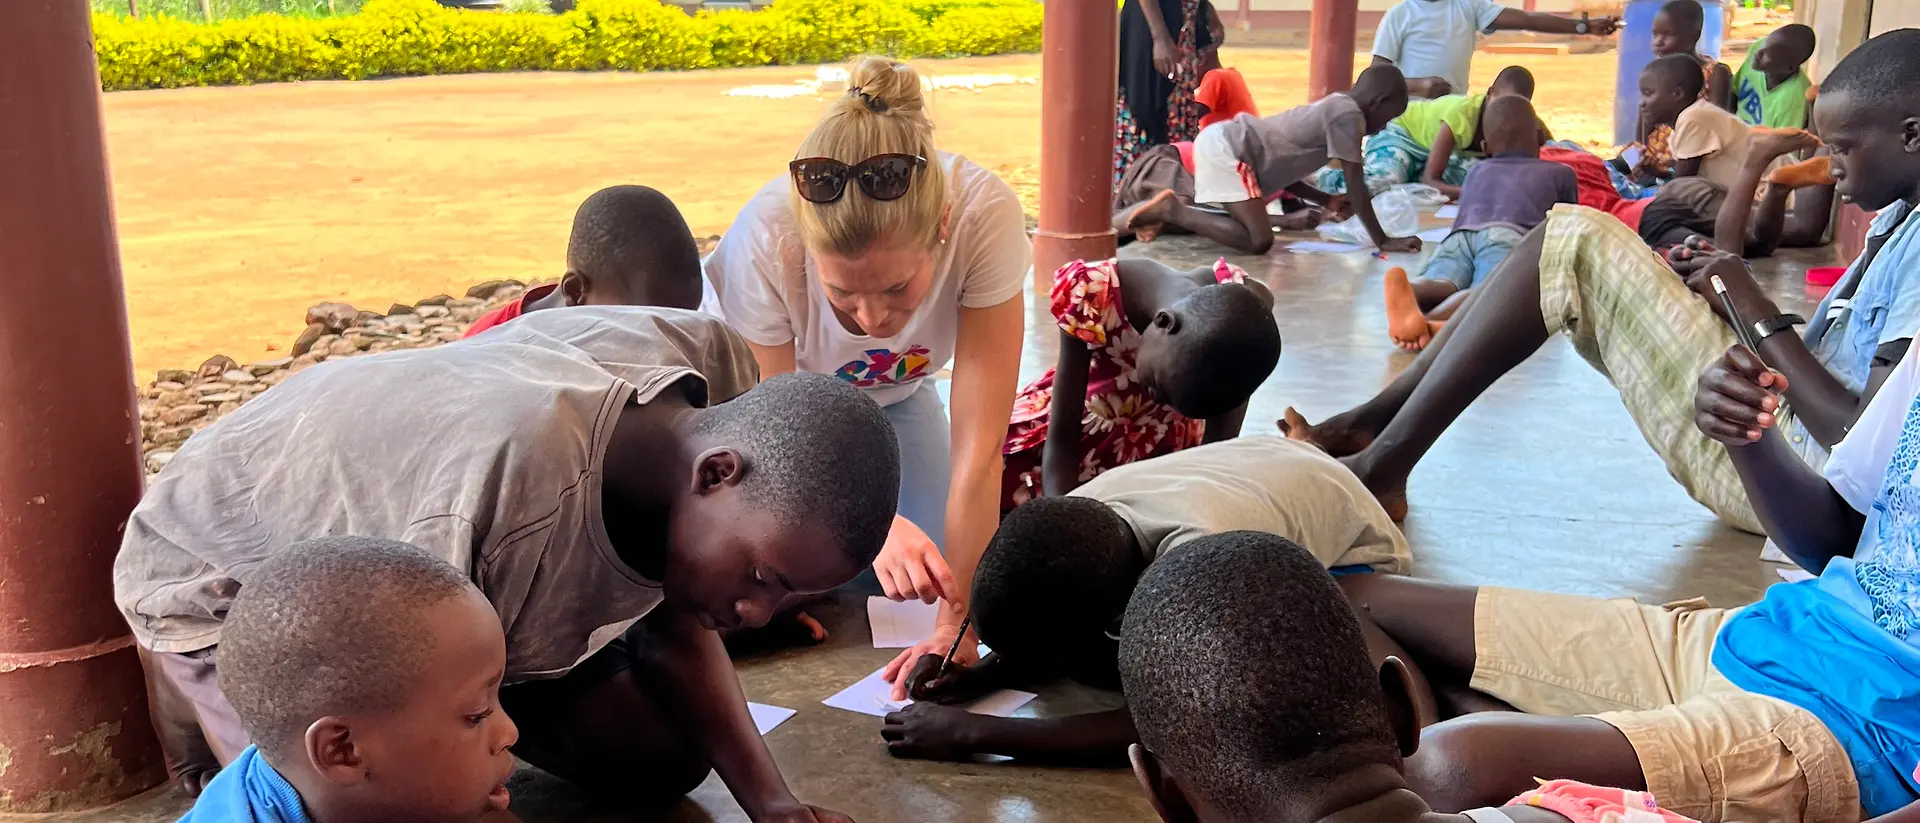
180, 403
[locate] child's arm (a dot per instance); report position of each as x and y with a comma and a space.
1164, 52
1910, 814
1800, 509
1335, 204
1060, 457
930, 731
1215, 29
1687, 167
1435, 173
1720, 86
708, 694
1362, 199
1515, 19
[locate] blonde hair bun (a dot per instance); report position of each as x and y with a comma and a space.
883, 112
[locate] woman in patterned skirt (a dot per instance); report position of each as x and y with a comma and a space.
1161, 58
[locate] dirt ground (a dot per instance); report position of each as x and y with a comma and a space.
240, 207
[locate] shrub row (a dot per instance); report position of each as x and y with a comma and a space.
415, 37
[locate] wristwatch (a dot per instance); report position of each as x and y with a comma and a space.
1582, 26
1768, 327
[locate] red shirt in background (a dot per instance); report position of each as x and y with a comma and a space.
1596, 186
510, 310
1224, 92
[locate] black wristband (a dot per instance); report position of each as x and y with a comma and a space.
1768, 327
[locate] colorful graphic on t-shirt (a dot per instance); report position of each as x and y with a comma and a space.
883, 367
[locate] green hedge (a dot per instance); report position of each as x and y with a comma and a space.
414, 37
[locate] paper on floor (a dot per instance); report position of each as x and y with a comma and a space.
872, 695
1322, 247
1795, 575
766, 718
1447, 212
900, 625
1435, 235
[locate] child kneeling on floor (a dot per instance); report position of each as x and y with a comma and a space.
367, 672
1256, 699
1056, 577
1503, 198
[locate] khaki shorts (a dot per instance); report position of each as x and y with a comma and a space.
1709, 750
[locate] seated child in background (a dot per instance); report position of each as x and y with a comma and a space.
1053, 582
1771, 89
1152, 361
367, 673
1505, 196
1225, 95
1257, 701
613, 479
629, 247
1730, 215
1435, 142
1241, 164
1676, 31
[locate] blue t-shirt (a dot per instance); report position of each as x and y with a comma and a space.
1846, 646
1514, 189
248, 790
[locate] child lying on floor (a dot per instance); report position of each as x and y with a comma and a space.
367, 673
1504, 197
1241, 164
629, 247
1256, 701
1152, 361
1435, 142
1053, 583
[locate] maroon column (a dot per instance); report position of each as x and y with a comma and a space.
1330, 38
74, 726
1079, 76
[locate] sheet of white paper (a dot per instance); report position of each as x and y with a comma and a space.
1322, 247
1631, 156
900, 625
766, 718
1771, 553
872, 696
1448, 211
1435, 235
1795, 575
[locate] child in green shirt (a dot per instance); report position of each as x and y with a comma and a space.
1771, 89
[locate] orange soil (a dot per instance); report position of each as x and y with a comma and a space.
240, 207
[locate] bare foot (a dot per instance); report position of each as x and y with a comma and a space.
1406, 324
1147, 217
1337, 437
1302, 220
1817, 171
1771, 143
1393, 498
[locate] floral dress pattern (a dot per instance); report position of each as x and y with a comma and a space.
1183, 110
1122, 423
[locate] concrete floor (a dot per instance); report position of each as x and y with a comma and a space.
1543, 483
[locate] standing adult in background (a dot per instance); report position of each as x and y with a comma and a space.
879, 260
1162, 57
1432, 41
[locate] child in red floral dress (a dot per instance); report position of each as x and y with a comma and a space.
1152, 361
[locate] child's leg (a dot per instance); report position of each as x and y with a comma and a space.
176, 684
606, 727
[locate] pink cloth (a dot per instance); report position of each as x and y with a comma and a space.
1582, 803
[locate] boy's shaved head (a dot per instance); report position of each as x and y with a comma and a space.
1884, 71
1510, 124
1216, 346
329, 627
1795, 40
1513, 80
1868, 111
1054, 580
1687, 16
818, 451
1381, 92
632, 241
1678, 71
1247, 674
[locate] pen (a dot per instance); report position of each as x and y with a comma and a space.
954, 649
1741, 330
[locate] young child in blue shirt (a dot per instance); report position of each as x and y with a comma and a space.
367, 672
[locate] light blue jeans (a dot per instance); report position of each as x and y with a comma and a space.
1468, 257
925, 436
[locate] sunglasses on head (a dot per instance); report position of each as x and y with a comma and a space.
881, 177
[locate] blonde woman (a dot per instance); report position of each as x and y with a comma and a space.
880, 260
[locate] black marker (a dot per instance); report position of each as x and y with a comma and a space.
1743, 331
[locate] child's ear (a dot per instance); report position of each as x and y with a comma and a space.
1166, 321
332, 752
718, 468
1910, 135
573, 288
1397, 682
1163, 793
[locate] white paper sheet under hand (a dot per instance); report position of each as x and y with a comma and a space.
766, 718
1435, 235
873, 695
1447, 212
900, 625
1322, 247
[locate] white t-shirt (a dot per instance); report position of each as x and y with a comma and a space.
768, 290
1858, 466
1435, 38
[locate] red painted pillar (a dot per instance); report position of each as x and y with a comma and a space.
1079, 76
74, 728
1330, 40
